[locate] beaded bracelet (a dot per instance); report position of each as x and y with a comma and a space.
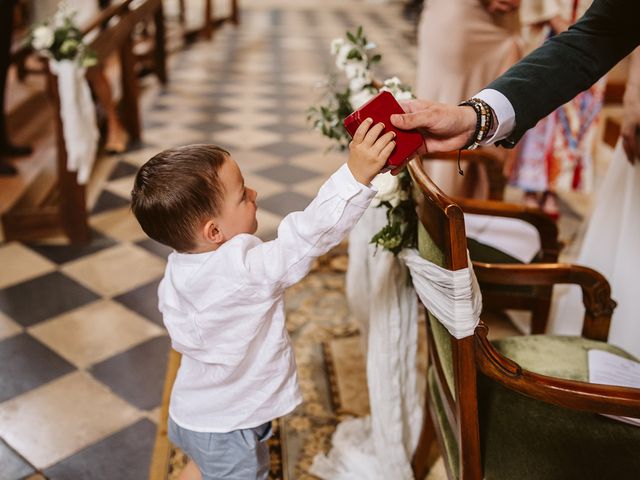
483, 125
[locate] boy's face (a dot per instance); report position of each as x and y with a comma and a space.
238, 213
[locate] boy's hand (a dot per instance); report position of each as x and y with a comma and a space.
368, 151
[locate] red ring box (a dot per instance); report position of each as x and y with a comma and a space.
380, 108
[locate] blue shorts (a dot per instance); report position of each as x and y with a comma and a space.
237, 455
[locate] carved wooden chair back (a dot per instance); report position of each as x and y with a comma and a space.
466, 376
451, 362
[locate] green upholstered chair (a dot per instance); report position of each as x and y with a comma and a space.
535, 299
519, 408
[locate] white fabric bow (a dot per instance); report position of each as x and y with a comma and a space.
78, 115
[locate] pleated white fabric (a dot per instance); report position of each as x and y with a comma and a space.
78, 115
384, 303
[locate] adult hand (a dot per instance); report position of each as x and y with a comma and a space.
502, 6
444, 127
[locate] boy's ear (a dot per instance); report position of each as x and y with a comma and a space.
211, 232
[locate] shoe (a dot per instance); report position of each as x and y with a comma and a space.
11, 150
7, 169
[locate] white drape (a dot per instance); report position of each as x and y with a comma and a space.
384, 302
611, 246
78, 115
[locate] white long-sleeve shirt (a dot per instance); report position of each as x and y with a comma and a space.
505, 116
224, 311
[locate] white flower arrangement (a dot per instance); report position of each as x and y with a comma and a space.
354, 58
60, 39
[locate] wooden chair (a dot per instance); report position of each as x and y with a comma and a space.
534, 299
519, 408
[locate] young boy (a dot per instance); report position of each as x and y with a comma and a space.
222, 295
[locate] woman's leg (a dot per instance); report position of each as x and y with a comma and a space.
117, 136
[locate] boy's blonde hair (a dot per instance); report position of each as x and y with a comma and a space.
176, 191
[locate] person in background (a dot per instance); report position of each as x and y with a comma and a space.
556, 154
7, 149
610, 244
463, 45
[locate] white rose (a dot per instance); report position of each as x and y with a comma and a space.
392, 82
358, 83
387, 186
360, 98
341, 57
356, 69
42, 37
358, 75
336, 45
403, 95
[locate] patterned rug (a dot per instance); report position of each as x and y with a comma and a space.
330, 367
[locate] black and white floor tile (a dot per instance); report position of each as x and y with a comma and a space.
82, 347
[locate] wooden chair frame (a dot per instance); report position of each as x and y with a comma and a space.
538, 303
444, 221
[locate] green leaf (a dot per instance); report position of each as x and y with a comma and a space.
351, 37
376, 58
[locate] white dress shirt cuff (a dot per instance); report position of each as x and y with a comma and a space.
352, 190
505, 117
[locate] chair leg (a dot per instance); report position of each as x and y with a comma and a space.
427, 451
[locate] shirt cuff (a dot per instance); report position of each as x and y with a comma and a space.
505, 118
352, 190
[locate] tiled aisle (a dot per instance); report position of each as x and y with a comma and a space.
82, 348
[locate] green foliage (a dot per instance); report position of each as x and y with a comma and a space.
401, 230
65, 37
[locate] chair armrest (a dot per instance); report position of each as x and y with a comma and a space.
546, 227
605, 399
596, 292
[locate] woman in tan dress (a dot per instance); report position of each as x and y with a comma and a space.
462, 46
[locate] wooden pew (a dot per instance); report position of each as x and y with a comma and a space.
64, 207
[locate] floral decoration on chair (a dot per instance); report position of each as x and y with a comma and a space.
354, 57
60, 38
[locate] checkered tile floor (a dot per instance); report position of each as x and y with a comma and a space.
82, 347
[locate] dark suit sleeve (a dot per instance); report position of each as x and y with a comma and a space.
569, 63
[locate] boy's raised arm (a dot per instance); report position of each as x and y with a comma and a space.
341, 201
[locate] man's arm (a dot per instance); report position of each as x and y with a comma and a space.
569, 63
541, 82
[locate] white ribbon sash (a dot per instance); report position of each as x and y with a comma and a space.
453, 297
78, 115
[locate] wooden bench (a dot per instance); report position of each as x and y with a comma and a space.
63, 206
210, 20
